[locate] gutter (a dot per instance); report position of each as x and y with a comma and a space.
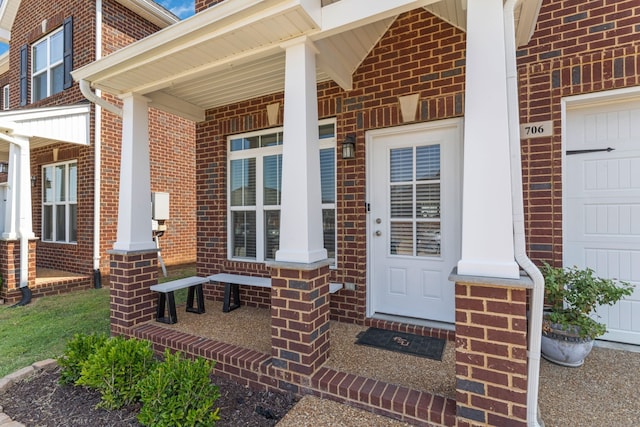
537, 293
85, 88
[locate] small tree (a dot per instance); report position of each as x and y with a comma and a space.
574, 294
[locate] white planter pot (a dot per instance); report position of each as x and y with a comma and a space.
565, 349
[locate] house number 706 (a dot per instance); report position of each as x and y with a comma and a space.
536, 130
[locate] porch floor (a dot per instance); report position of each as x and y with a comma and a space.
605, 391
50, 275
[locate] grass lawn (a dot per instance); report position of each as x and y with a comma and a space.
41, 329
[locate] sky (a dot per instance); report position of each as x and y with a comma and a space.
181, 8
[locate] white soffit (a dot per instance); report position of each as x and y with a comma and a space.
45, 126
8, 11
455, 13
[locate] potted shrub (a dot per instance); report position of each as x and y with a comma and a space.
569, 325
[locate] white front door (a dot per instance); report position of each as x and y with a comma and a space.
601, 209
413, 190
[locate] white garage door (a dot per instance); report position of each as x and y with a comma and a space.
601, 215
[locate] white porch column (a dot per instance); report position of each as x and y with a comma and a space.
11, 213
134, 209
487, 225
25, 226
301, 209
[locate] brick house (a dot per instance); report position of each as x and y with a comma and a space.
60, 141
394, 148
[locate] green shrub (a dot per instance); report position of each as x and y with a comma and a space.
179, 392
77, 351
116, 368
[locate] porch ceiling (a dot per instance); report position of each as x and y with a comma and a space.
233, 51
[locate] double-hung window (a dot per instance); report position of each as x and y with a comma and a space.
47, 66
60, 202
255, 190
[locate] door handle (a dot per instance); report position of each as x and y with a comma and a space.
378, 233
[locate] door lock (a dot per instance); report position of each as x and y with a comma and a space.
378, 221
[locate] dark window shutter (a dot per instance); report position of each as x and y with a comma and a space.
24, 74
68, 52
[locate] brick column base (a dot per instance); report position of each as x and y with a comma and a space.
132, 302
491, 351
10, 269
299, 321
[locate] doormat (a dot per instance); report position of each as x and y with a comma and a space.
402, 342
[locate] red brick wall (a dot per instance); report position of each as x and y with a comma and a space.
429, 61
577, 48
201, 5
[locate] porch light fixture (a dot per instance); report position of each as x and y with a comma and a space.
33, 180
349, 146
4, 167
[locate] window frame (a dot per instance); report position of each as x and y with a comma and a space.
49, 65
67, 203
260, 208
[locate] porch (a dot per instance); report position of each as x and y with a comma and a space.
399, 386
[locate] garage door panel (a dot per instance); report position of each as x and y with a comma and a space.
601, 208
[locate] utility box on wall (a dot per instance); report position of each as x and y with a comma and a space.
160, 206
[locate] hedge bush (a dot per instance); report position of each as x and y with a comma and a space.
116, 368
178, 392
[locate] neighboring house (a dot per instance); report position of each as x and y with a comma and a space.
377, 135
61, 154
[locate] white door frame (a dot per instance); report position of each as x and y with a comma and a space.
398, 130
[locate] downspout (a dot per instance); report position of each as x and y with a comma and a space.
537, 294
97, 145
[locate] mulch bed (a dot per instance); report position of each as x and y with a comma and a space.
40, 401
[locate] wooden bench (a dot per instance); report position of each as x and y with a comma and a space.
166, 290
232, 284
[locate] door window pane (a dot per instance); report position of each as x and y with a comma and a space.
401, 201
428, 200
428, 162
401, 241
428, 239
401, 165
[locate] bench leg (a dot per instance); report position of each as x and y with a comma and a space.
228, 289
199, 294
163, 299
